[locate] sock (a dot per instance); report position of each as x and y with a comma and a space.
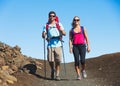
83, 71
57, 73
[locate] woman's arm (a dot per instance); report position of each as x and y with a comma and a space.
87, 40
70, 41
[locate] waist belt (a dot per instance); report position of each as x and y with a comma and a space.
55, 37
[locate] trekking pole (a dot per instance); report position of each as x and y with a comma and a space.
44, 58
63, 56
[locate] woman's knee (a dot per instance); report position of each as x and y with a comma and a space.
82, 62
77, 63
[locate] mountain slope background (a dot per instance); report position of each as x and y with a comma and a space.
102, 71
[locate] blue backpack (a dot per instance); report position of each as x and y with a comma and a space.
82, 28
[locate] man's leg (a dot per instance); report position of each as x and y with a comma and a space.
52, 69
57, 70
51, 61
58, 55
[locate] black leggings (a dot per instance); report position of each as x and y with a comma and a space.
79, 52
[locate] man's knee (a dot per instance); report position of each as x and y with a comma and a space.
58, 63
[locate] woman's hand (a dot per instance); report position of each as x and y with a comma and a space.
88, 49
71, 50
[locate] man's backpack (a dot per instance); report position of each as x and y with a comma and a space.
57, 26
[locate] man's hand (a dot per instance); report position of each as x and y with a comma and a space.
43, 34
63, 32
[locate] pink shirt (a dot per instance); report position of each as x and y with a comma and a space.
78, 38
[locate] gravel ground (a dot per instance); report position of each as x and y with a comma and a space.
101, 71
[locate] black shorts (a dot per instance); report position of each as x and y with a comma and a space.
79, 52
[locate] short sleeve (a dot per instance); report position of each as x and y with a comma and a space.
44, 28
61, 26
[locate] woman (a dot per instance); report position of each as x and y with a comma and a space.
78, 40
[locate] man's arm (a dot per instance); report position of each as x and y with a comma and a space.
62, 29
43, 34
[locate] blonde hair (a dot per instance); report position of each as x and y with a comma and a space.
73, 23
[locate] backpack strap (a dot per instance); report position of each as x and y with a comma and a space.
47, 26
72, 32
57, 26
56, 19
57, 23
82, 28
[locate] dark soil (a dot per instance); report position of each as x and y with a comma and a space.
101, 71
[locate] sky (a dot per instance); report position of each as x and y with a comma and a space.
22, 21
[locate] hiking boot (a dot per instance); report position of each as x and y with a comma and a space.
84, 74
52, 74
78, 77
58, 78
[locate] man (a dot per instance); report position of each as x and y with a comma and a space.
54, 30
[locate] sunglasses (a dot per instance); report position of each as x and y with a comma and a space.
52, 16
76, 19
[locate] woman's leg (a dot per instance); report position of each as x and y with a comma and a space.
82, 52
76, 58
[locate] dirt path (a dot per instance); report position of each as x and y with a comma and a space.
102, 71
69, 79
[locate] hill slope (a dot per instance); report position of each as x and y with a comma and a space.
102, 71
19, 70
